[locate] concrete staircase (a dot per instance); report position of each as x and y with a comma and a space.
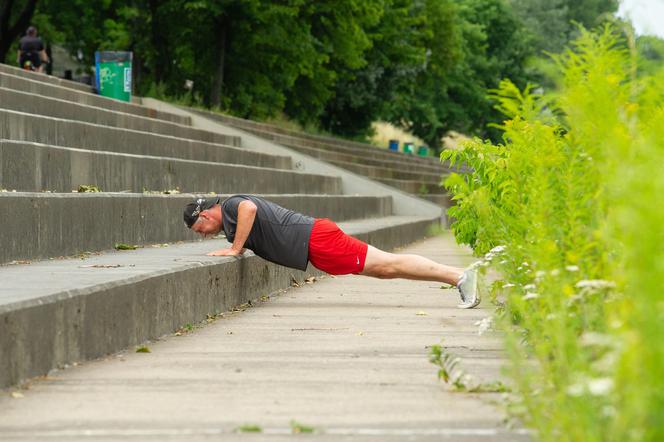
419, 176
67, 295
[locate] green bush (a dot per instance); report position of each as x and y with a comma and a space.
574, 197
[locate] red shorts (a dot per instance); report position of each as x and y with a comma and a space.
334, 252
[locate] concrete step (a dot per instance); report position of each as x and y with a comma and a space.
47, 225
415, 187
52, 107
331, 156
374, 172
367, 152
33, 167
20, 126
442, 199
60, 312
35, 86
12, 70
321, 141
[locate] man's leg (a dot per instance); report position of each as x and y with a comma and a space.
380, 264
385, 265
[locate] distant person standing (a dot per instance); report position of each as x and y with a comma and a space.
31, 51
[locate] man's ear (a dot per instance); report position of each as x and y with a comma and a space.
205, 214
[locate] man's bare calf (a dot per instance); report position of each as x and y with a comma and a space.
385, 265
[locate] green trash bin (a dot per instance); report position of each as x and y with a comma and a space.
408, 147
423, 151
113, 77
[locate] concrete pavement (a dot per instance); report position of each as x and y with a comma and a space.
346, 356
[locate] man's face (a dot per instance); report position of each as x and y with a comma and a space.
206, 225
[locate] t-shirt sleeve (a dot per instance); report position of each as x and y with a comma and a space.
229, 210
230, 205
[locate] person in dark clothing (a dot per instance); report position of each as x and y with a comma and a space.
31, 49
293, 240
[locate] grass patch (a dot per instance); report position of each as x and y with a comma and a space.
249, 428
123, 246
297, 428
88, 188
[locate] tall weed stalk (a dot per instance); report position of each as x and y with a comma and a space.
575, 194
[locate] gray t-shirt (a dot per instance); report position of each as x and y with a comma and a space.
278, 235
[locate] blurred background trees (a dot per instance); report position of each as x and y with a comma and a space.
336, 66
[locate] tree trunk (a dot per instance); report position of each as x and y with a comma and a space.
161, 59
218, 82
137, 74
8, 32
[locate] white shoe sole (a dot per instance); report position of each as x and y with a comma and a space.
470, 304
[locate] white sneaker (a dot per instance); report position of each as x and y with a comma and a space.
468, 288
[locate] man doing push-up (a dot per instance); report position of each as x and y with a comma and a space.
293, 240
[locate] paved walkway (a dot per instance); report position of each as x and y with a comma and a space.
346, 356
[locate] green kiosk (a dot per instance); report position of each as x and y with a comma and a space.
113, 77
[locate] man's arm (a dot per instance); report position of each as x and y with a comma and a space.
246, 215
43, 56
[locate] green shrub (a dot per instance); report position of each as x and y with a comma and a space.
574, 194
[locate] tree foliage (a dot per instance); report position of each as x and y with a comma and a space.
424, 65
489, 44
552, 23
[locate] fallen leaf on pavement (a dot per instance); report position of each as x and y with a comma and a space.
100, 266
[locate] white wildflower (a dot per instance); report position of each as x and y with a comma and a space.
525, 264
572, 268
600, 386
529, 287
575, 390
530, 295
555, 272
484, 325
540, 274
590, 339
506, 286
498, 249
595, 284
504, 261
595, 387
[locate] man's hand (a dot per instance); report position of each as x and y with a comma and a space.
227, 252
